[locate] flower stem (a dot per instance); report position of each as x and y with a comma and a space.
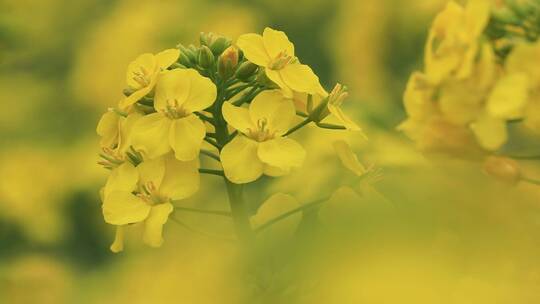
289, 213
237, 204
298, 126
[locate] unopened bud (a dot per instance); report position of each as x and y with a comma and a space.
263, 80
227, 62
187, 56
246, 70
206, 58
503, 169
219, 44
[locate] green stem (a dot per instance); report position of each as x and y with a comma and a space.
330, 126
289, 213
237, 204
298, 126
530, 181
213, 212
210, 154
211, 172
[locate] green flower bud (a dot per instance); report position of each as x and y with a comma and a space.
246, 70
206, 58
263, 80
219, 45
187, 56
227, 62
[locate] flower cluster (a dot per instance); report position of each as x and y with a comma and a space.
235, 103
480, 74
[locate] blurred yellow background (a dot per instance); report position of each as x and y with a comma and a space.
433, 230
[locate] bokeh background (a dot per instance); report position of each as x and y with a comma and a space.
432, 230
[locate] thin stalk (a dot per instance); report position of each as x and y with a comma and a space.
211, 172
210, 154
211, 212
298, 126
212, 142
530, 181
289, 213
330, 126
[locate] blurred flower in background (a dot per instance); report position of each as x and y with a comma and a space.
432, 229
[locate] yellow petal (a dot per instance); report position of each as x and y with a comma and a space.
237, 117
153, 226
124, 178
509, 97
490, 132
348, 158
273, 107
137, 95
343, 118
167, 57
277, 43
186, 137
126, 131
278, 204
107, 128
151, 135
240, 161
274, 171
301, 78
181, 178
118, 244
122, 208
172, 89
144, 65
254, 50
275, 76
151, 171
202, 93
283, 153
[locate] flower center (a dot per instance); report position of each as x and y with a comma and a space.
149, 193
174, 110
262, 133
281, 60
142, 76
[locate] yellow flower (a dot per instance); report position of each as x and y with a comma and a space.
520, 62
144, 194
116, 130
179, 93
275, 53
334, 100
452, 43
143, 73
260, 148
348, 158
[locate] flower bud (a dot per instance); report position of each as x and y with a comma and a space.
503, 169
206, 58
263, 80
227, 62
219, 45
246, 70
187, 56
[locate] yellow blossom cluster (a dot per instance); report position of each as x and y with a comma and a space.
469, 91
236, 103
